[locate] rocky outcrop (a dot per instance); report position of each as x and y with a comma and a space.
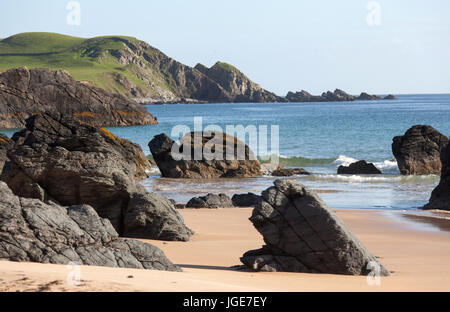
336, 96
239, 88
440, 197
210, 201
32, 231
368, 97
359, 167
58, 158
303, 235
25, 92
289, 172
245, 200
390, 97
418, 151
213, 164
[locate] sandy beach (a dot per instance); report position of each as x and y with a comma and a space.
415, 249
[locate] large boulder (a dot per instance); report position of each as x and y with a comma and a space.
32, 231
61, 159
359, 167
418, 151
24, 92
289, 172
211, 201
440, 197
303, 235
204, 165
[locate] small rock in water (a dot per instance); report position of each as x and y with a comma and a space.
360, 167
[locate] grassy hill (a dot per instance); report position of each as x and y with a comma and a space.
89, 60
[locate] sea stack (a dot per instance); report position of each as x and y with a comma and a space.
418, 151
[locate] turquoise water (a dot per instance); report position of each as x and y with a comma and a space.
318, 137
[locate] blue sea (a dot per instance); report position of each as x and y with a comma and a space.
318, 137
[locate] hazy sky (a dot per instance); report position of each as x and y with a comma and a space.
314, 45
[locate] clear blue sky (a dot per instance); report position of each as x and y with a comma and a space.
283, 45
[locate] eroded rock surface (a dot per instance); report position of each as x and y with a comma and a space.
418, 151
58, 158
33, 231
440, 198
303, 235
162, 146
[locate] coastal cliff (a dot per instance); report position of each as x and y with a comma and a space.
25, 92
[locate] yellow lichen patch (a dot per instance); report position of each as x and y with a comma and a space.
85, 114
109, 134
5, 140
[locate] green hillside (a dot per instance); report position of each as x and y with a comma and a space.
85, 59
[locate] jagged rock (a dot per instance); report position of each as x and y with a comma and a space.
336, 96
210, 201
25, 92
245, 200
32, 231
390, 97
418, 151
288, 172
440, 197
239, 88
359, 167
303, 235
245, 165
61, 159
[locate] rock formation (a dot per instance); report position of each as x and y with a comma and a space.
58, 158
245, 200
32, 231
288, 172
239, 88
440, 198
25, 92
208, 165
359, 167
336, 96
390, 97
303, 235
210, 201
418, 151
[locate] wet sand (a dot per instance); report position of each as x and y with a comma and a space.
417, 255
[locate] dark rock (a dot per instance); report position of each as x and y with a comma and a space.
32, 231
210, 201
360, 167
25, 92
418, 151
61, 159
303, 235
390, 97
288, 172
245, 200
368, 97
337, 96
246, 166
440, 197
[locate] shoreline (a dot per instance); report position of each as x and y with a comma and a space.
416, 255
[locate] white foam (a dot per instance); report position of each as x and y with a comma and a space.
344, 161
387, 166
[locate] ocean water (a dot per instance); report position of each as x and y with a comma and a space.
318, 137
